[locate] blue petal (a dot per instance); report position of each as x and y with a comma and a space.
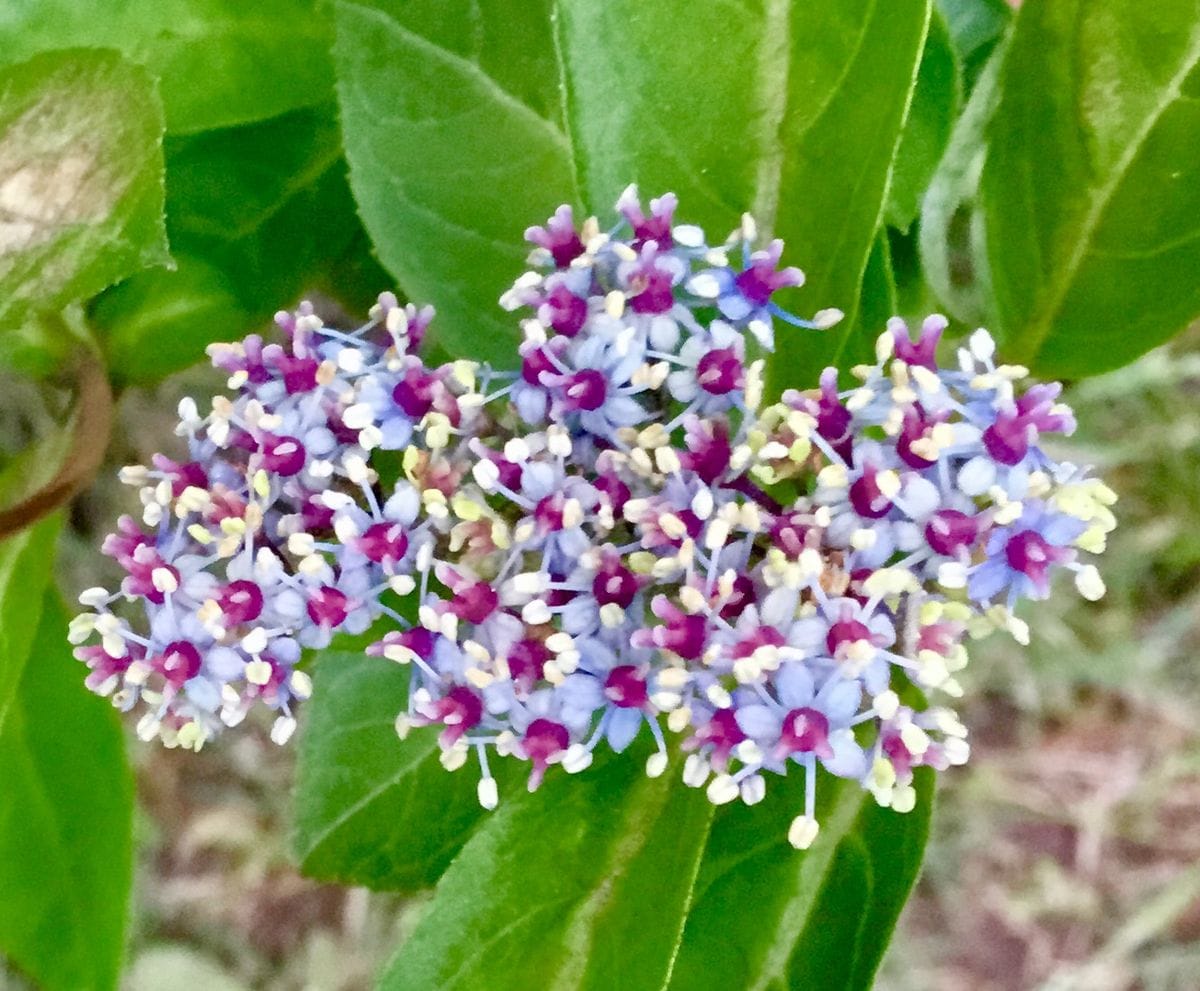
840, 698
623, 726
203, 693
759, 721
794, 684
1062, 530
848, 760
988, 580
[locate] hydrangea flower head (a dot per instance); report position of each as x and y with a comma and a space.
619, 539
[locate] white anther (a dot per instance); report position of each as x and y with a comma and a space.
577, 758
754, 789
722, 790
695, 771
536, 613
1089, 583
281, 730
489, 794
803, 832
94, 597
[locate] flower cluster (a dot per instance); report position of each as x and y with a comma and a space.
620, 537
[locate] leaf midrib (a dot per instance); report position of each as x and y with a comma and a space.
812, 867
636, 829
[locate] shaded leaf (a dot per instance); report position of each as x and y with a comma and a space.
833, 180
220, 62
256, 216
976, 27
951, 230
25, 561
64, 823
159, 322
822, 918
81, 189
878, 305
371, 809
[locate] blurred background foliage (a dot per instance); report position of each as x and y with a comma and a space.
1063, 857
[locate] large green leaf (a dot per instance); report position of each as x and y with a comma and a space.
616, 880
371, 810
221, 62
605, 879
25, 561
935, 106
878, 304
1063, 212
81, 187
1091, 186
65, 823
453, 149
585, 884
790, 110
767, 917
455, 145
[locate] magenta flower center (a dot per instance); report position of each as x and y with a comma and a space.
949, 531
179, 663
241, 602
625, 687
843, 633
615, 585
328, 606
587, 389
383, 542
805, 731
866, 498
719, 372
283, 455
475, 603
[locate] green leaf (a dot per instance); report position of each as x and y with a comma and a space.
935, 107
81, 188
584, 884
221, 62
794, 113
833, 183
1090, 191
895, 848
611, 879
767, 917
25, 560
453, 152
455, 145
951, 230
976, 27
159, 322
878, 304
65, 823
370, 809
605, 879
256, 216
